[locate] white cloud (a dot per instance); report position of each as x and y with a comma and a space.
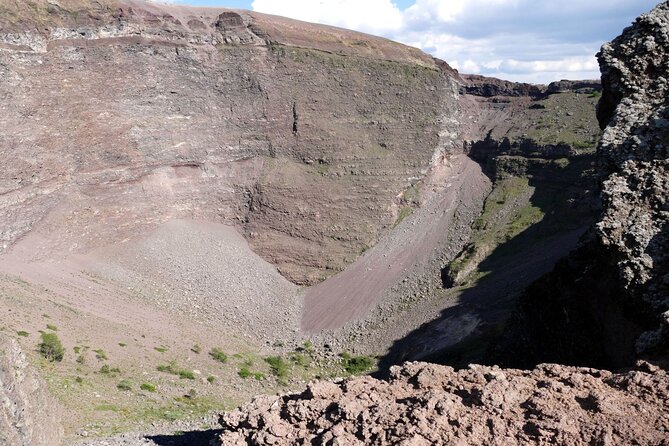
372, 16
524, 40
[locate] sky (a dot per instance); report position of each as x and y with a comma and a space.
535, 41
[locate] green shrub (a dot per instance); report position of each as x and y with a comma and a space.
244, 372
278, 366
172, 369
356, 364
259, 376
186, 374
23, 334
106, 370
211, 379
218, 355
124, 385
149, 387
51, 348
308, 347
300, 359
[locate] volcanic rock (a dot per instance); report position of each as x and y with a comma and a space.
424, 404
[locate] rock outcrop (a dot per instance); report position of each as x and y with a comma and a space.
425, 404
634, 151
28, 414
608, 303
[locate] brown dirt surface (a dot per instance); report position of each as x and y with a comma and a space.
424, 404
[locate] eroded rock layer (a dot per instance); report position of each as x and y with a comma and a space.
120, 115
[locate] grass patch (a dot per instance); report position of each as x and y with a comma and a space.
112, 371
100, 354
51, 327
23, 334
211, 379
173, 369
149, 387
404, 213
300, 359
218, 355
107, 408
161, 349
278, 366
51, 348
357, 364
124, 385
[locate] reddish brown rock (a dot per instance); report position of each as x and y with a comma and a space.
425, 404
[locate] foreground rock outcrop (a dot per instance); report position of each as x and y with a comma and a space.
28, 414
425, 404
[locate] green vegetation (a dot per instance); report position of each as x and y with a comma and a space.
51, 348
300, 359
196, 349
100, 354
357, 364
122, 344
278, 366
51, 327
76, 349
211, 379
308, 347
23, 334
244, 372
149, 387
124, 385
405, 211
218, 355
106, 370
161, 349
173, 369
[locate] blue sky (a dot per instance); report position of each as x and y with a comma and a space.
523, 40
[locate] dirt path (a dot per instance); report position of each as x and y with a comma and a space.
351, 294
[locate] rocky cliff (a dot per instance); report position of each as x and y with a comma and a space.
607, 303
125, 114
28, 414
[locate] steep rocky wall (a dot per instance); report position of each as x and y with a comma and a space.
607, 303
120, 115
28, 414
